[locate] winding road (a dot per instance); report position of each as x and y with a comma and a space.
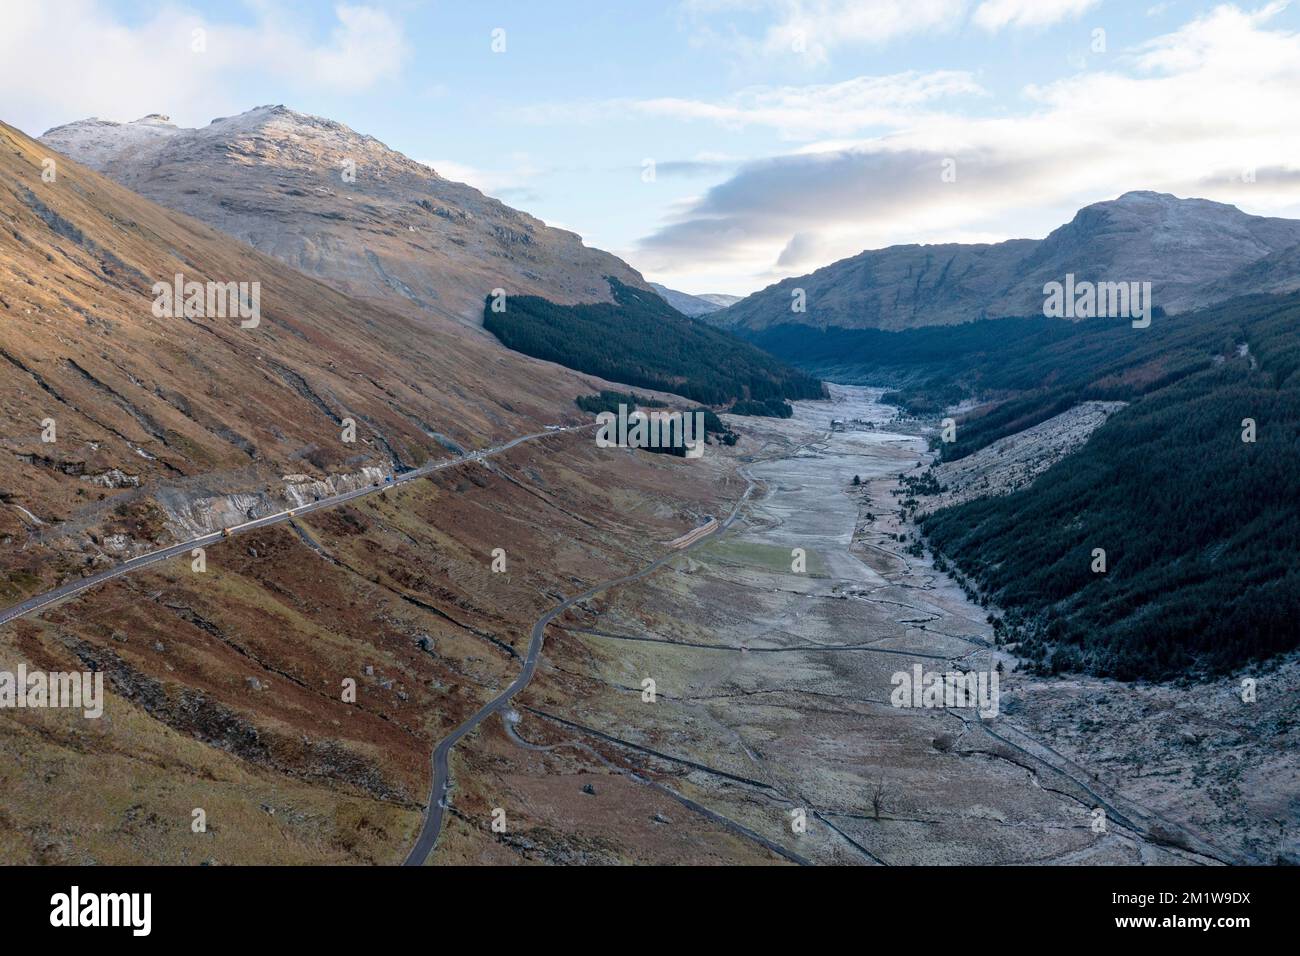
432, 825
441, 784
39, 601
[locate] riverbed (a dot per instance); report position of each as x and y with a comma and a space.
742, 698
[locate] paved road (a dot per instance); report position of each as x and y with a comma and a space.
145, 560
438, 790
441, 778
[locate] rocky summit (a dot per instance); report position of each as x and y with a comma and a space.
344, 208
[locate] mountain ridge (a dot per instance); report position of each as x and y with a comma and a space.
345, 208
142, 400
1187, 248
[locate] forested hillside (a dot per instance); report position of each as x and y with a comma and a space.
642, 341
1024, 371
1200, 529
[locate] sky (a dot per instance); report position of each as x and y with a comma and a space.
722, 145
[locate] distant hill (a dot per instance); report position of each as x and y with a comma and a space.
694, 305
1193, 251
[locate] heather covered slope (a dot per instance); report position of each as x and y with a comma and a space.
167, 398
344, 208
224, 686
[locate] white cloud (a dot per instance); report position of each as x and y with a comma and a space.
801, 112
365, 47
813, 28
509, 181
796, 112
65, 61
1185, 113
994, 15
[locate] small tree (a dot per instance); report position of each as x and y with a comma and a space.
878, 798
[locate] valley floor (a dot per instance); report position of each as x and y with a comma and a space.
769, 737
772, 706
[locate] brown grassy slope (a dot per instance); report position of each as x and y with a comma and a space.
161, 399
78, 259
225, 686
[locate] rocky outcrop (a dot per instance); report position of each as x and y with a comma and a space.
113, 478
1015, 461
192, 516
301, 489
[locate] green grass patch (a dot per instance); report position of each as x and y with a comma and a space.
760, 557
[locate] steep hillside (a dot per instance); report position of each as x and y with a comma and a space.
1186, 248
1277, 273
145, 405
223, 685
1190, 492
345, 208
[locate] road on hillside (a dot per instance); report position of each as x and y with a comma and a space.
33, 604
432, 826
441, 783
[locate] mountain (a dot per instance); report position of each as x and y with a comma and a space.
1275, 274
395, 231
720, 299
694, 305
124, 429
200, 403
398, 234
1193, 251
